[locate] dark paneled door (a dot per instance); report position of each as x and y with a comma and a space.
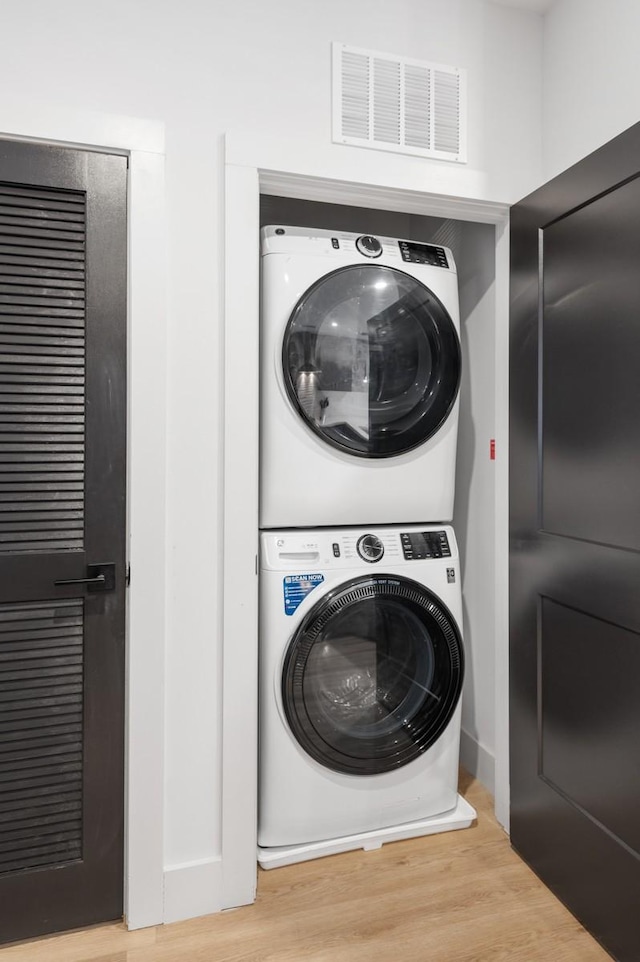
62, 513
575, 539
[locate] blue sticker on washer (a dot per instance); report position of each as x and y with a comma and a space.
296, 588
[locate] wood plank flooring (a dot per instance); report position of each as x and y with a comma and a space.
459, 897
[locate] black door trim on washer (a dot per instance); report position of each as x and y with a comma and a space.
416, 714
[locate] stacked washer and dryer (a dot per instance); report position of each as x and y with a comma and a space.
361, 653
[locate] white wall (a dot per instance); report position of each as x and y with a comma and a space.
205, 67
474, 517
591, 77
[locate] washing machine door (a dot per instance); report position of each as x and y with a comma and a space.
373, 675
371, 361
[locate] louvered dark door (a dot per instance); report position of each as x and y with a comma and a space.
62, 510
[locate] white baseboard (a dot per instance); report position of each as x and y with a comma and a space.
478, 761
192, 889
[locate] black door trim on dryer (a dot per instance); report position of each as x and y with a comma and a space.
404, 415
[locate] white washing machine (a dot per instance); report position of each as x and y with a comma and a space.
361, 669
360, 370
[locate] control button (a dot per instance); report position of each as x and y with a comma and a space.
335, 243
370, 548
279, 231
336, 549
407, 547
369, 246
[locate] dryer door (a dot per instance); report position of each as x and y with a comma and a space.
371, 361
373, 675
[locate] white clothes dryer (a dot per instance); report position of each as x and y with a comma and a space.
360, 370
361, 669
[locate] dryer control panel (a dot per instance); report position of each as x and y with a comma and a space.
417, 545
346, 247
423, 254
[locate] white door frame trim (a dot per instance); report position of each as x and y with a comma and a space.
143, 142
251, 168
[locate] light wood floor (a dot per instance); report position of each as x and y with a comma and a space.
459, 897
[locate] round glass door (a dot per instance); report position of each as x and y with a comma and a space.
373, 675
371, 361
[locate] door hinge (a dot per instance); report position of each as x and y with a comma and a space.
127, 577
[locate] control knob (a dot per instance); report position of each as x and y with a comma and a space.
369, 246
370, 548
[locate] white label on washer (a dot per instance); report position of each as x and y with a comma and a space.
296, 588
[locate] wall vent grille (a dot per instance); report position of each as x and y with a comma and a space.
392, 103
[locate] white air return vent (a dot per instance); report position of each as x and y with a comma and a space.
393, 103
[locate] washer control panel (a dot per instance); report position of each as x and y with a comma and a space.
417, 545
331, 549
370, 548
423, 254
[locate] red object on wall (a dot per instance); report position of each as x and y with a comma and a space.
492, 449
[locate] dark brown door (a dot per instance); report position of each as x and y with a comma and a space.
575, 539
62, 511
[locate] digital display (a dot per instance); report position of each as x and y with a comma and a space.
417, 545
423, 254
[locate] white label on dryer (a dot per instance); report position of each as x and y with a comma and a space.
296, 588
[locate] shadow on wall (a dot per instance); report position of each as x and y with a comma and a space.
474, 251
362, 220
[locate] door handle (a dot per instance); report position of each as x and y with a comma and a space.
100, 578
